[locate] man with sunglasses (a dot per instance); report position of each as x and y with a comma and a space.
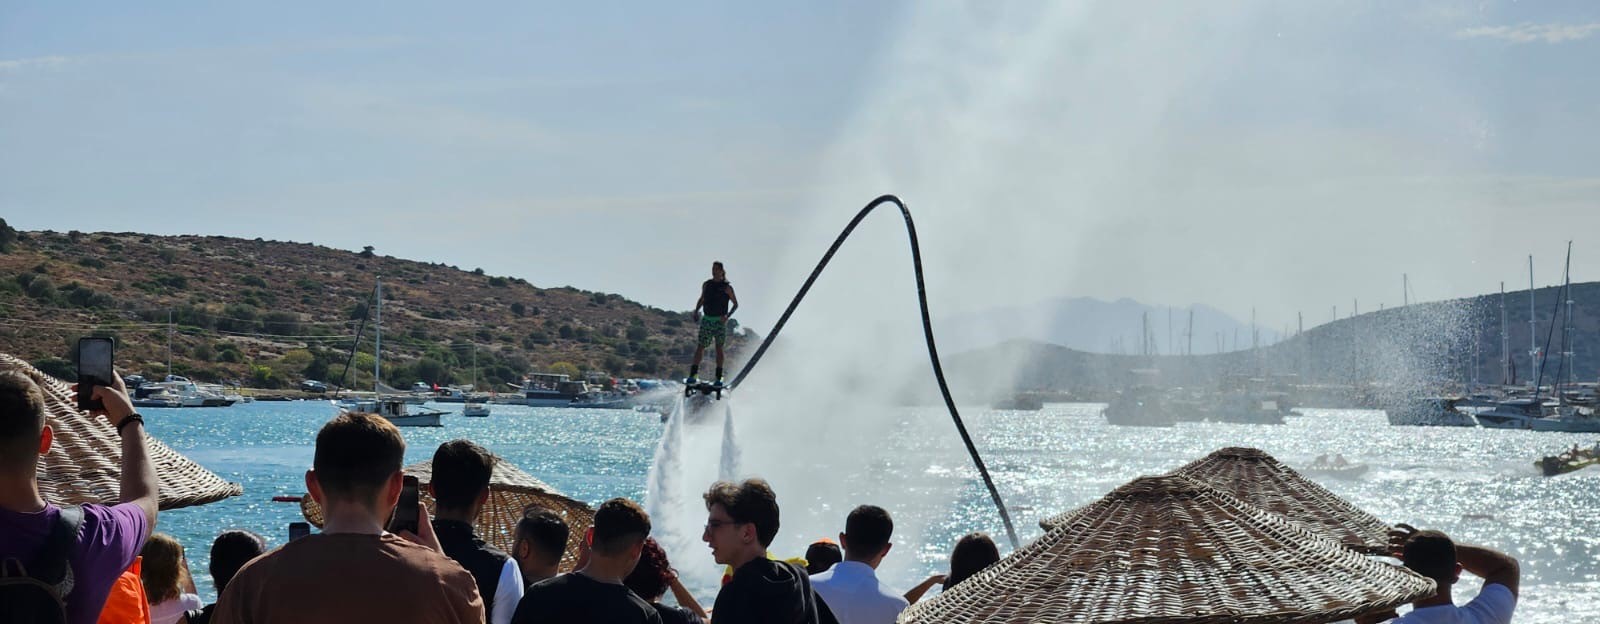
741, 521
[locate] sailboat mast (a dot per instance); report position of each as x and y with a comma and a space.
377, 340
1566, 324
1533, 329
1189, 334
1505, 341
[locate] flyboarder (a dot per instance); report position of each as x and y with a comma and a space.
715, 296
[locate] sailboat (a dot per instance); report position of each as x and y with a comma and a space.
475, 406
395, 409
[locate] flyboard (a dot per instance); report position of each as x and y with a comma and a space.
705, 388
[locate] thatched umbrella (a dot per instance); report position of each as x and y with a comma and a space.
84, 464
1168, 550
511, 491
1257, 478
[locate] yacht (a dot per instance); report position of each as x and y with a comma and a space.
551, 390
1513, 414
1247, 408
1570, 419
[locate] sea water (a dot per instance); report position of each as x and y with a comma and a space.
1478, 485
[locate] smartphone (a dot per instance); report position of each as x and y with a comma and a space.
94, 369
298, 530
409, 507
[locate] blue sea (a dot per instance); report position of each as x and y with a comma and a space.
1477, 485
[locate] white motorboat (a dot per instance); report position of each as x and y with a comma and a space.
1513, 414
1570, 419
396, 411
475, 409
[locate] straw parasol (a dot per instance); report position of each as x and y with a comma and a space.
1169, 550
84, 464
510, 492
1257, 478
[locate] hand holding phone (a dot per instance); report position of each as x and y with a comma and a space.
407, 511
95, 355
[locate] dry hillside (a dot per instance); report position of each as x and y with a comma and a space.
269, 313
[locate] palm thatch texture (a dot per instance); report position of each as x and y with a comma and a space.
1169, 550
511, 491
1257, 478
84, 464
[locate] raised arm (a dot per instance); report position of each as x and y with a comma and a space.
139, 483
922, 588
1491, 565
686, 599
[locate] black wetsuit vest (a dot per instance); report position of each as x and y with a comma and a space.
714, 295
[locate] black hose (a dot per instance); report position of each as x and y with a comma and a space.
927, 332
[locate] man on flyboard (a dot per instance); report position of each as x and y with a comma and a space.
715, 296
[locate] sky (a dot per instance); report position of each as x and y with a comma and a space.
1252, 156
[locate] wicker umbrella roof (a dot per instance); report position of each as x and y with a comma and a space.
1257, 478
84, 464
510, 492
1168, 550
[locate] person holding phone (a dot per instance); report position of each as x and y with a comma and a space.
355, 570
100, 541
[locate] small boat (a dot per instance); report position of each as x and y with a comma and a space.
1247, 408
594, 399
1337, 469
1512, 414
475, 409
396, 411
1139, 406
1569, 461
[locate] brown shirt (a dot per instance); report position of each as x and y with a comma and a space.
345, 577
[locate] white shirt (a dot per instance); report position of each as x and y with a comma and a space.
168, 612
855, 596
1492, 606
508, 593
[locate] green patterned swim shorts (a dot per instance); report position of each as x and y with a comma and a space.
713, 329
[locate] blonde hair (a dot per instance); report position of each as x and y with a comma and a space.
163, 569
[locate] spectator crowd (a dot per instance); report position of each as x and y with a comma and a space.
91, 563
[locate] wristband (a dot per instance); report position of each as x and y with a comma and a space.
134, 417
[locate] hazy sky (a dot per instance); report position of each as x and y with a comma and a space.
1241, 154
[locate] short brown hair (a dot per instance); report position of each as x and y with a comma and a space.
619, 524
21, 419
752, 501
1431, 554
356, 453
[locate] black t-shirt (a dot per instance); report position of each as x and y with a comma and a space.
577, 599
714, 296
764, 591
677, 615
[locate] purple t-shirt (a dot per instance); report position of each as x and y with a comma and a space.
109, 541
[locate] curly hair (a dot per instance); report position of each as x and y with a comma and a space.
650, 578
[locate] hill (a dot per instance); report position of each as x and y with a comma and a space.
269, 313
1436, 345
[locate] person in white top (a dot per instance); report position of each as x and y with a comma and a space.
851, 588
1436, 556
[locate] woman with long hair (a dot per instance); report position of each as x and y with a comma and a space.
167, 585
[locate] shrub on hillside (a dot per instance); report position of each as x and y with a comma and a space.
56, 367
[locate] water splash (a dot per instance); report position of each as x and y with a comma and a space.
728, 468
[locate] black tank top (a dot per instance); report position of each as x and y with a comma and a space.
715, 296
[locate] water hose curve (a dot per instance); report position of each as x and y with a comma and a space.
927, 333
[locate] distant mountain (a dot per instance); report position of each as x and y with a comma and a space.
1427, 347
1095, 326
